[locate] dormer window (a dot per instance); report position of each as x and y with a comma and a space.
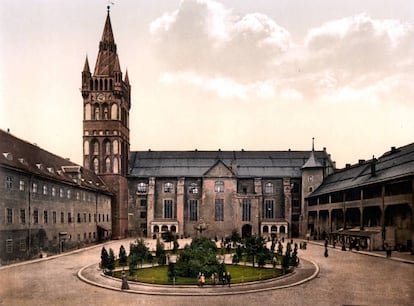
168, 187
8, 156
142, 187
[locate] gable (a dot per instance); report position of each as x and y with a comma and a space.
219, 169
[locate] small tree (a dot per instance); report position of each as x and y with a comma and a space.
104, 259
160, 253
168, 237
111, 261
122, 257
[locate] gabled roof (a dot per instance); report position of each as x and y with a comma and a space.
395, 164
197, 163
22, 156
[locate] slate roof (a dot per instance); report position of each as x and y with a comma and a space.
19, 155
243, 163
394, 164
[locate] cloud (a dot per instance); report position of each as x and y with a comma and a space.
205, 36
203, 44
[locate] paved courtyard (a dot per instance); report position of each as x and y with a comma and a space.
345, 278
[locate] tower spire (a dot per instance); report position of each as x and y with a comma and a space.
86, 66
313, 144
107, 55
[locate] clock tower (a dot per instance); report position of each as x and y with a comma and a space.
106, 104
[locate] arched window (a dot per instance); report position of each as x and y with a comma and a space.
100, 84
95, 147
86, 147
168, 187
95, 165
114, 112
111, 86
142, 187
115, 147
265, 229
87, 112
193, 188
273, 228
96, 112
105, 112
86, 162
107, 164
96, 85
156, 228
116, 165
173, 228
107, 147
164, 228
106, 84
219, 186
269, 188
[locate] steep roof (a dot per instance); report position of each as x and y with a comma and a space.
197, 163
312, 162
107, 61
19, 155
397, 163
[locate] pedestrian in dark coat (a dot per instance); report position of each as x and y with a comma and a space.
228, 278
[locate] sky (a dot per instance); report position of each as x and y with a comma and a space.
209, 75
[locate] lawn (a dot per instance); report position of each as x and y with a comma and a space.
239, 274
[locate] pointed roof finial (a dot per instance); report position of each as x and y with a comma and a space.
126, 77
86, 66
313, 143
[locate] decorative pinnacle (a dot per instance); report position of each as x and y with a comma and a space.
313, 143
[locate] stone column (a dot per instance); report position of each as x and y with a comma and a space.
259, 201
288, 203
150, 205
180, 205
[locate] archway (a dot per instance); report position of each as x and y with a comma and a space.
246, 230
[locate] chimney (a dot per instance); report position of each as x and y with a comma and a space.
347, 166
361, 161
373, 166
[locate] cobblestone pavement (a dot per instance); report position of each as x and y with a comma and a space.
345, 278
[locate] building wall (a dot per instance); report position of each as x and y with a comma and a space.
30, 215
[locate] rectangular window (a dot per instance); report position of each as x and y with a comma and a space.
143, 214
9, 217
79, 218
268, 209
90, 218
219, 210
36, 216
77, 195
168, 209
22, 245
61, 192
68, 194
143, 202
192, 210
34, 188
9, 245
246, 210
62, 217
219, 186
84, 217
54, 217
69, 217
295, 203
21, 185
9, 182
45, 219
22, 216
44, 190
94, 218
53, 191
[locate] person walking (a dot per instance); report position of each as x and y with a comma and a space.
228, 278
202, 280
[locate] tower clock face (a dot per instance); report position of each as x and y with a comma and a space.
101, 97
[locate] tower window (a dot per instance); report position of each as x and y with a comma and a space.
95, 165
96, 112
107, 147
108, 164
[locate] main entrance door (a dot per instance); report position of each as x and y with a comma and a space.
246, 230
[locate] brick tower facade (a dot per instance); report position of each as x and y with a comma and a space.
106, 104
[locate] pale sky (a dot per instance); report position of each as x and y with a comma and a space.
231, 74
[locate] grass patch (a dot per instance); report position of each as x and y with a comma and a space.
239, 274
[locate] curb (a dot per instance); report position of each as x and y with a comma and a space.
157, 289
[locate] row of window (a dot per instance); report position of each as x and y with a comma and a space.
46, 190
81, 218
22, 243
268, 211
193, 188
